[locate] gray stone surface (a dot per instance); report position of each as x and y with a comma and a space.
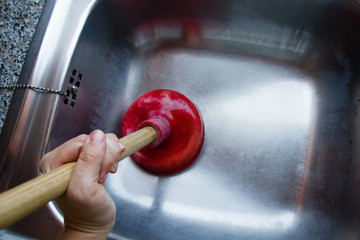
18, 21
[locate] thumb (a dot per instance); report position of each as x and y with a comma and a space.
90, 159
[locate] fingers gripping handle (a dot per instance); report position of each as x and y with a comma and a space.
24, 199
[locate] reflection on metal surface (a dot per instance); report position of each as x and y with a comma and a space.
283, 103
255, 221
247, 215
279, 94
119, 183
56, 212
280, 39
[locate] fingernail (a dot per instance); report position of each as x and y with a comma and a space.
97, 136
122, 147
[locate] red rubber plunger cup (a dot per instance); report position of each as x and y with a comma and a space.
179, 126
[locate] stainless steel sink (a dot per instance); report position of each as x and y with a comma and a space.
277, 83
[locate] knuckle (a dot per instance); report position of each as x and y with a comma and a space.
42, 166
90, 157
44, 163
42, 160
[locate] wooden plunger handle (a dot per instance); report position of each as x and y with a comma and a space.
22, 200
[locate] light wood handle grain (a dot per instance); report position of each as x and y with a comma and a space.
24, 199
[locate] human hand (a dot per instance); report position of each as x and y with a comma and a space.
89, 211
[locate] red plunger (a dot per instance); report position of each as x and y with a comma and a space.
179, 127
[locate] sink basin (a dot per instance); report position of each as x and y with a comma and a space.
277, 84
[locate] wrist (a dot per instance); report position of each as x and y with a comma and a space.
89, 234
74, 234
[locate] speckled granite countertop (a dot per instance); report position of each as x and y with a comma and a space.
18, 21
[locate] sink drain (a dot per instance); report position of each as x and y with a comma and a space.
73, 86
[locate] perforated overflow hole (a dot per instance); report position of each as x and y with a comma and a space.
72, 89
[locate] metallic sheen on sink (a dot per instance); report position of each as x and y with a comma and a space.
277, 83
